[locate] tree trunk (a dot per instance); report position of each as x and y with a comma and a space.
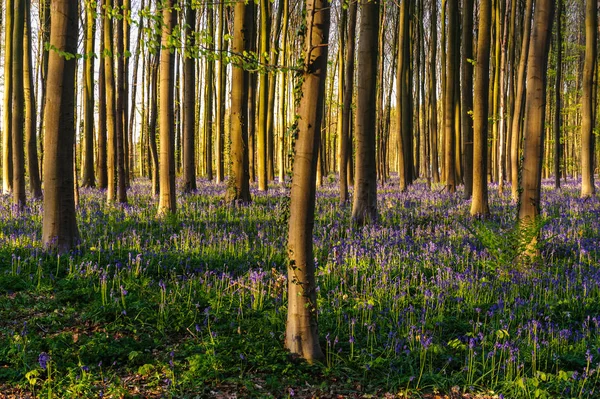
154, 66
284, 4
587, 100
221, 82
515, 131
189, 101
558, 96
18, 104
102, 109
239, 186
121, 113
302, 335
111, 111
88, 179
263, 98
7, 166
479, 203
30, 110
535, 113
345, 141
208, 104
167, 196
433, 119
364, 209
59, 229
467, 94
450, 93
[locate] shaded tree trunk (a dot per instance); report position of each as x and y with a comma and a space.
189, 101
18, 104
111, 111
263, 98
88, 178
558, 96
450, 93
535, 113
7, 166
102, 117
121, 113
467, 94
364, 209
59, 229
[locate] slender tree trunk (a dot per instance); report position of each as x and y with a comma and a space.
284, 5
189, 101
558, 96
239, 186
88, 179
7, 165
467, 93
345, 140
111, 110
263, 98
120, 119
154, 66
167, 196
220, 96
18, 104
102, 108
208, 104
535, 113
302, 335
59, 229
134, 86
364, 209
450, 93
515, 131
479, 203
30, 110
433, 125
587, 100
502, 111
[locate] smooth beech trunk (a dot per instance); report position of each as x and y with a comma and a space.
167, 197
479, 202
189, 103
535, 117
239, 184
7, 118
450, 92
364, 209
467, 94
111, 111
18, 104
587, 100
121, 103
59, 229
302, 333
88, 179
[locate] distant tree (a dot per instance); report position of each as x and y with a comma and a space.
167, 197
88, 178
364, 209
59, 229
302, 333
587, 101
535, 113
479, 203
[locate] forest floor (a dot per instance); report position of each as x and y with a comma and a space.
427, 303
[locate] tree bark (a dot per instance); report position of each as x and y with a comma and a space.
189, 102
59, 229
449, 96
7, 166
18, 104
239, 185
587, 100
479, 202
558, 96
467, 94
263, 98
302, 335
535, 113
121, 113
88, 178
102, 109
167, 198
364, 209
111, 111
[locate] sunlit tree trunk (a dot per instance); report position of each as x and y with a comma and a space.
111, 111
208, 104
479, 202
587, 100
102, 109
221, 82
153, 121
88, 179
59, 229
302, 335
364, 209
515, 131
284, 4
263, 97
7, 166
239, 186
30, 110
189, 102
433, 125
167, 197
450, 93
502, 104
121, 114
535, 113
